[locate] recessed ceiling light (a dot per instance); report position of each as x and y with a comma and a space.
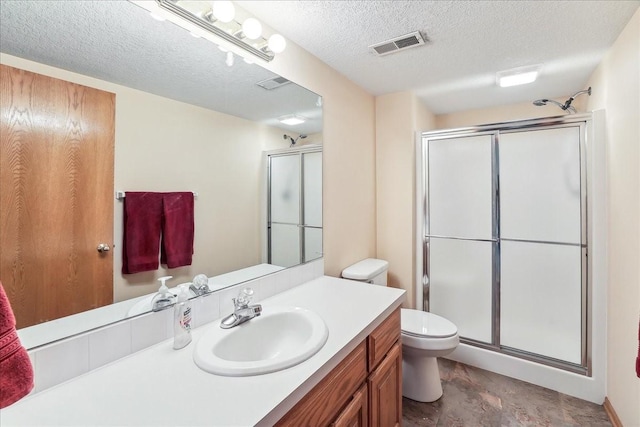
292, 119
517, 76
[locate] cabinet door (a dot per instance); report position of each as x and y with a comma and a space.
385, 391
356, 412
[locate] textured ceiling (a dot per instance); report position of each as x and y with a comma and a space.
118, 41
468, 42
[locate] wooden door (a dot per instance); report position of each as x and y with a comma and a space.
56, 195
385, 391
356, 413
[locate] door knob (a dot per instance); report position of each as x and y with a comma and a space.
103, 247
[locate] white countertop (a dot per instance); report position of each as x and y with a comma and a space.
160, 386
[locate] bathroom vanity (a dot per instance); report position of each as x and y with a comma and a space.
364, 389
354, 377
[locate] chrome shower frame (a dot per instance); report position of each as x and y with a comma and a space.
583, 121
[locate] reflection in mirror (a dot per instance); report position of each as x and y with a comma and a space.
182, 121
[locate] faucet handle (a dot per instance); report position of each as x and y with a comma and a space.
244, 297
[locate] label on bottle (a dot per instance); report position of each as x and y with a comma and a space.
185, 322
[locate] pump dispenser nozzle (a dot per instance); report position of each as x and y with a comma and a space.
163, 299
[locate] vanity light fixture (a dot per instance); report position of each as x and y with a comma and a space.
218, 18
292, 119
223, 11
517, 76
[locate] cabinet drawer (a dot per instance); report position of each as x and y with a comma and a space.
382, 338
321, 405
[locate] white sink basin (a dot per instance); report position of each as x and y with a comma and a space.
278, 339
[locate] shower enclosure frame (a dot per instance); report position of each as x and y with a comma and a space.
424, 237
266, 216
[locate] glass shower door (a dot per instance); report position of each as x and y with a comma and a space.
460, 233
284, 210
505, 238
542, 247
312, 212
294, 220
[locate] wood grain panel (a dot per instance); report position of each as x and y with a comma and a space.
56, 195
321, 405
382, 338
385, 391
356, 413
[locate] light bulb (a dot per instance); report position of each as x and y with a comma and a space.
229, 60
223, 11
277, 43
252, 28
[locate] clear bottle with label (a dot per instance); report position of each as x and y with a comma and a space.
182, 319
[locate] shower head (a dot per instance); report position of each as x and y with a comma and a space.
293, 141
541, 102
567, 105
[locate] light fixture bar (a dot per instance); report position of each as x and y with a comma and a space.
170, 6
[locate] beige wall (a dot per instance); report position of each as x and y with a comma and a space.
616, 88
398, 117
165, 145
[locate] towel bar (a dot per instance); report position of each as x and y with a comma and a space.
120, 195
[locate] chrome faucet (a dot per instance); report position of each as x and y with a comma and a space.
200, 285
243, 311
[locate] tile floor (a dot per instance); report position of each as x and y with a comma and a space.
475, 397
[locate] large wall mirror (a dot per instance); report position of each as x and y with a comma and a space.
184, 120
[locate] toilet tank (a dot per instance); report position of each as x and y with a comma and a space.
368, 270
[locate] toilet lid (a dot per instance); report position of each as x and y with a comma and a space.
424, 324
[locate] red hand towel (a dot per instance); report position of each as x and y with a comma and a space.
142, 225
638, 357
16, 372
177, 229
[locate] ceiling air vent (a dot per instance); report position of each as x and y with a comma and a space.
397, 44
273, 83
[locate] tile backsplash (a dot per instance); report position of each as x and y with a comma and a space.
74, 356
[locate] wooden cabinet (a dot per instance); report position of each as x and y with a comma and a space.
382, 338
356, 413
320, 406
385, 390
364, 390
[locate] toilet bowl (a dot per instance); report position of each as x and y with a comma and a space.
425, 337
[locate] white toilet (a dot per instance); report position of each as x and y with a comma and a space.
425, 336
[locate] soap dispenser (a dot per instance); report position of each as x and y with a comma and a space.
163, 299
182, 319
